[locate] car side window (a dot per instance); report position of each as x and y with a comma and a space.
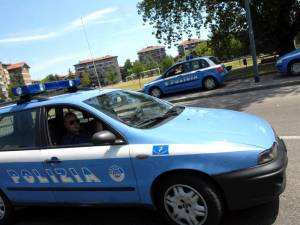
178, 69
71, 126
199, 64
18, 130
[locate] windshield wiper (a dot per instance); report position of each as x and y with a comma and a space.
174, 111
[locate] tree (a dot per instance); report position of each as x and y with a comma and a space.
110, 76
203, 49
276, 23
298, 40
2, 97
85, 79
127, 65
166, 63
71, 75
50, 78
13, 83
227, 47
138, 67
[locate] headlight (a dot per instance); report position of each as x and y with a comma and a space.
268, 155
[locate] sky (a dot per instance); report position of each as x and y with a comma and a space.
49, 36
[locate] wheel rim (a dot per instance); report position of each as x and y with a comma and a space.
210, 83
185, 205
296, 68
2, 208
155, 92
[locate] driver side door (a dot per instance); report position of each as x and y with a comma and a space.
175, 78
85, 173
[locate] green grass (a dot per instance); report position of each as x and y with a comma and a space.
133, 85
247, 72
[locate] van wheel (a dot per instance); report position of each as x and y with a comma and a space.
156, 92
189, 200
294, 68
210, 83
6, 210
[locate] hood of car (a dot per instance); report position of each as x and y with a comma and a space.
206, 126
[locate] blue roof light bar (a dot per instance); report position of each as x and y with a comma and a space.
63, 84
34, 89
28, 90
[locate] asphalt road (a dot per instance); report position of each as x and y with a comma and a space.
281, 107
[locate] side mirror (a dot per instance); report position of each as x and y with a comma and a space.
228, 68
103, 137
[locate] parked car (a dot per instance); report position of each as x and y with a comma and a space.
204, 72
289, 63
191, 164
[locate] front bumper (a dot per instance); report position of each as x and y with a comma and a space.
257, 185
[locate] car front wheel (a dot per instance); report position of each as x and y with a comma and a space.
294, 68
6, 210
156, 92
189, 200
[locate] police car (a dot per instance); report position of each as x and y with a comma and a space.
289, 63
191, 164
204, 72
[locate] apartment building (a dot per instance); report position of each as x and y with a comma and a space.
19, 73
187, 45
154, 52
102, 64
4, 80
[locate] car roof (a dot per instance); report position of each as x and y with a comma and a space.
193, 59
66, 98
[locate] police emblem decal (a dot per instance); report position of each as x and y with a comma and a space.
116, 173
160, 150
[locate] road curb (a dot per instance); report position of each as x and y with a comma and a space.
243, 90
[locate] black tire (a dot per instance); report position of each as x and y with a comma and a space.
156, 92
209, 197
290, 68
7, 208
210, 83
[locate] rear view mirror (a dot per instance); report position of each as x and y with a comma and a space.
103, 137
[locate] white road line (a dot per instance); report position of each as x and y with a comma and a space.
290, 137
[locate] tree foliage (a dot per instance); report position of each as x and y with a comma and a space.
166, 63
50, 78
2, 96
276, 23
110, 76
71, 75
202, 49
127, 65
85, 79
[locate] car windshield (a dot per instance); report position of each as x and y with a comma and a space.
134, 109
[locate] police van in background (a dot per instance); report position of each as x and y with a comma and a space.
204, 72
191, 164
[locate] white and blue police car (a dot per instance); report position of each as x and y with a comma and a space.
289, 63
204, 72
191, 164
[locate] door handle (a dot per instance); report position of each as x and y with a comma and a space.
53, 160
142, 156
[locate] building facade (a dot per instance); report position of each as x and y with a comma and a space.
187, 45
4, 80
103, 66
157, 53
19, 73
